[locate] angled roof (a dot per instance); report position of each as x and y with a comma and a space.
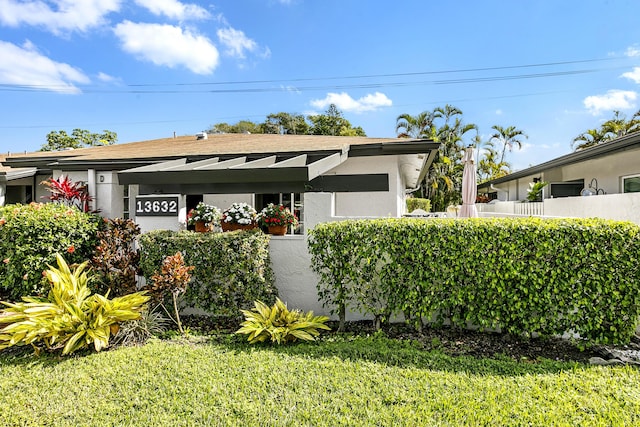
216, 145
9, 174
623, 143
224, 157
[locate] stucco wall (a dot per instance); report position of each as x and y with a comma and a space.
607, 171
378, 203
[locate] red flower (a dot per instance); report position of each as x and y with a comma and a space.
71, 249
2, 221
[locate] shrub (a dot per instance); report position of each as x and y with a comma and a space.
116, 259
279, 324
414, 203
31, 234
231, 269
521, 276
70, 318
172, 279
139, 331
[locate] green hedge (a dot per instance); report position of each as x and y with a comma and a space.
232, 269
521, 276
30, 237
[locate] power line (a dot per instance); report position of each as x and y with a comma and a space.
33, 88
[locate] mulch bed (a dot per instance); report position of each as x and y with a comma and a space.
455, 341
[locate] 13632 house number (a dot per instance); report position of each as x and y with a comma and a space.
156, 206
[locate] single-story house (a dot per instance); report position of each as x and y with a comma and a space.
601, 181
322, 178
16, 184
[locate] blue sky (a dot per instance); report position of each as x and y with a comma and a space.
148, 68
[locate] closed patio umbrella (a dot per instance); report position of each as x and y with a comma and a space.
469, 186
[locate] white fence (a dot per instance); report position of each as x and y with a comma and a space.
621, 207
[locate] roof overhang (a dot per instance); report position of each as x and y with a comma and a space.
238, 170
13, 174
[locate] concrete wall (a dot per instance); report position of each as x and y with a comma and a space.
621, 207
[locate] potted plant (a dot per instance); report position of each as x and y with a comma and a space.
239, 216
204, 217
277, 219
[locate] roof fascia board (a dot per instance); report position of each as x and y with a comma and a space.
226, 175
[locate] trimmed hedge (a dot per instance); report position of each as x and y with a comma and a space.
30, 237
521, 276
232, 269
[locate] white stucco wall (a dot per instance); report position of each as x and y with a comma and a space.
223, 201
378, 203
608, 171
109, 197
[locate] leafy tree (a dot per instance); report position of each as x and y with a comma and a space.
286, 124
79, 138
243, 126
508, 137
332, 122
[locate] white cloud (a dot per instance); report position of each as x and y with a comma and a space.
104, 77
633, 75
174, 9
236, 42
612, 100
345, 102
57, 15
169, 46
632, 51
25, 66
498, 112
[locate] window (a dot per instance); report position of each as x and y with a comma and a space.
631, 184
293, 201
125, 205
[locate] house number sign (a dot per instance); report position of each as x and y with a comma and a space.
156, 206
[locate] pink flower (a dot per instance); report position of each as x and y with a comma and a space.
6, 260
26, 276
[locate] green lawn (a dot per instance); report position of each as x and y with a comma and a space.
350, 382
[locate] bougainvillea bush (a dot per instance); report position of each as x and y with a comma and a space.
31, 235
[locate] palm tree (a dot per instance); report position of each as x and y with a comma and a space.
488, 167
608, 131
588, 139
420, 126
507, 137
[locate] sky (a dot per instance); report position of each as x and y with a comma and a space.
148, 68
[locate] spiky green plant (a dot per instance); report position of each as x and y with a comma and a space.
279, 324
70, 318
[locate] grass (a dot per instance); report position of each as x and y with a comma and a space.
352, 381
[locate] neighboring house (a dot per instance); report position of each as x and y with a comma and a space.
322, 178
601, 181
17, 185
